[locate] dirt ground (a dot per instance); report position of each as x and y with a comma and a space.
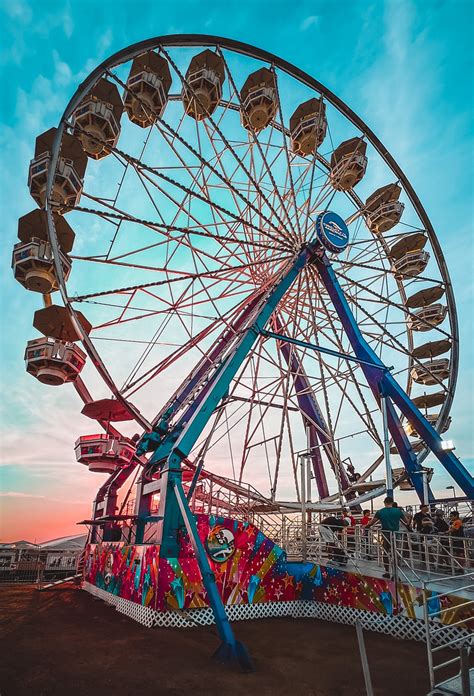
63, 642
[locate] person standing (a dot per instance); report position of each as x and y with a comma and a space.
389, 518
456, 532
350, 524
364, 521
330, 530
442, 528
422, 520
440, 524
424, 525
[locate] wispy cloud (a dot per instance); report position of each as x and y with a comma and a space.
19, 11
62, 71
18, 494
310, 21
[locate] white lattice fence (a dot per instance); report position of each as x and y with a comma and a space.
107, 597
397, 626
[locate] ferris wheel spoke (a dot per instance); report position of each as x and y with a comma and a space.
370, 423
170, 359
225, 319
166, 231
364, 414
242, 213
119, 189
204, 185
228, 145
254, 365
252, 197
176, 303
286, 388
182, 275
332, 454
257, 143
221, 432
147, 173
325, 434
184, 303
394, 304
216, 206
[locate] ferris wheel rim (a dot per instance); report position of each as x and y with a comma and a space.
190, 40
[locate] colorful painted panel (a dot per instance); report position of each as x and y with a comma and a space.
249, 568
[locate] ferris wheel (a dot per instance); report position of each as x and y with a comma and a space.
249, 273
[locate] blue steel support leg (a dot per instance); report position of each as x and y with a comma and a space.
389, 386
169, 512
142, 511
230, 649
318, 430
429, 435
406, 452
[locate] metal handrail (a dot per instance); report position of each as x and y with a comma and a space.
411, 555
431, 632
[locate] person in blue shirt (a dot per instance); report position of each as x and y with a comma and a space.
389, 518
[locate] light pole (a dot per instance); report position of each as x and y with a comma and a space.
303, 505
386, 447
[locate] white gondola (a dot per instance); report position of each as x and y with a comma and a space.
411, 264
383, 210
33, 266
431, 372
203, 89
308, 127
348, 164
71, 168
53, 361
148, 83
97, 119
427, 318
259, 100
103, 453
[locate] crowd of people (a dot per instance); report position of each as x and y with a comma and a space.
427, 523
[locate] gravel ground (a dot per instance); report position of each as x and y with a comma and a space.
63, 642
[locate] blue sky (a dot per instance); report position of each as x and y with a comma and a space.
404, 67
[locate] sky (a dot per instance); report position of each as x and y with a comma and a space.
405, 67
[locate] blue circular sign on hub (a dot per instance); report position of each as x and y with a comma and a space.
332, 232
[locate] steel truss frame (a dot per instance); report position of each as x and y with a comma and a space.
173, 446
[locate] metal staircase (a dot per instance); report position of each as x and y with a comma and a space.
449, 675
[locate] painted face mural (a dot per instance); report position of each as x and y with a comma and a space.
108, 571
220, 544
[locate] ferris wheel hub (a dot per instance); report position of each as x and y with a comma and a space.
332, 232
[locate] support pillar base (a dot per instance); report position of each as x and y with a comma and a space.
234, 654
